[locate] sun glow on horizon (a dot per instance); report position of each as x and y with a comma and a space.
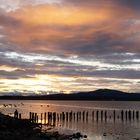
67, 46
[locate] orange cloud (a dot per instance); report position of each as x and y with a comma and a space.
101, 35
60, 15
48, 27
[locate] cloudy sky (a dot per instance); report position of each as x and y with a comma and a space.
69, 45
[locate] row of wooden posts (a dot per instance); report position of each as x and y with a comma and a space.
52, 117
76, 116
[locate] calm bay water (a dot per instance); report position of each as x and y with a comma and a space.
95, 130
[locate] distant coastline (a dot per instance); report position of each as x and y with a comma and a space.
101, 95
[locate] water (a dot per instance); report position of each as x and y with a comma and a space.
95, 130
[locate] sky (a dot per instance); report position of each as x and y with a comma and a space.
49, 46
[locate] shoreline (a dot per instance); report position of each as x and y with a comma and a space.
14, 129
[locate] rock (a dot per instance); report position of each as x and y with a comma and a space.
85, 136
136, 138
15, 129
77, 135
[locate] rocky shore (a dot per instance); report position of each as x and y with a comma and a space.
22, 129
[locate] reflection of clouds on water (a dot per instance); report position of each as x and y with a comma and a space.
99, 130
1, 106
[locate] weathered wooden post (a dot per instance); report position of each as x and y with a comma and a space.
97, 115
114, 115
133, 115
45, 117
32, 117
87, 116
126, 114
83, 115
49, 117
63, 116
74, 116
129, 114
67, 116
58, 117
54, 118
137, 115
19, 115
122, 115
35, 117
70, 115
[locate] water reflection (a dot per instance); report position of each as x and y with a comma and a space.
99, 120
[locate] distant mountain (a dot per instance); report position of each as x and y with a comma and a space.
106, 94
101, 94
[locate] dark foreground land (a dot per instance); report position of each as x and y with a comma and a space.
17, 129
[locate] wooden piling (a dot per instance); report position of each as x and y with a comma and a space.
105, 115
63, 116
74, 116
45, 117
87, 116
133, 115
129, 114
49, 118
122, 115
67, 116
77, 116
19, 115
70, 116
54, 118
97, 115
35, 118
137, 115
114, 115
83, 115
126, 114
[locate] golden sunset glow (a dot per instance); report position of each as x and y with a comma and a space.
7, 68
69, 46
60, 15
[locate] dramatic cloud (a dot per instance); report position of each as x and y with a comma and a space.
69, 45
135, 4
